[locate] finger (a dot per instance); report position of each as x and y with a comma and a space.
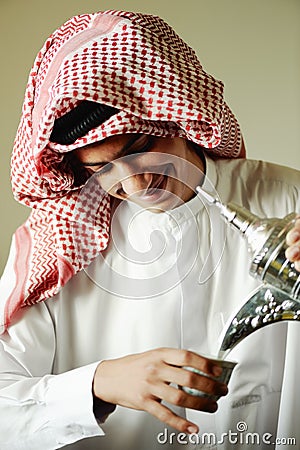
180, 398
180, 357
167, 416
183, 377
293, 252
293, 235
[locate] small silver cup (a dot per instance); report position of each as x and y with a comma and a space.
225, 376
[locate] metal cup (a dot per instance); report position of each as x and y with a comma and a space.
227, 367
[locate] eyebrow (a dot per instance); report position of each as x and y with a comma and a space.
118, 155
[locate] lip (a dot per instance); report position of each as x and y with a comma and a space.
157, 185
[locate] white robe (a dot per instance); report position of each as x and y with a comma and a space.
166, 280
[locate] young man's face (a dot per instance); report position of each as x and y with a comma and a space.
154, 172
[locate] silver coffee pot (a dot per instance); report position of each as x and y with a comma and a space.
278, 298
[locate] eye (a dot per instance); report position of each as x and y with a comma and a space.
99, 170
105, 169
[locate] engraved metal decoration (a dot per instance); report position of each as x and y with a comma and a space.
266, 306
278, 298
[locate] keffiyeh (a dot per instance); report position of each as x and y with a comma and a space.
134, 63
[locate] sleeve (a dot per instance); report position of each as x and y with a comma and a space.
40, 410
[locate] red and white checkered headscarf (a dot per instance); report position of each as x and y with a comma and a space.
135, 63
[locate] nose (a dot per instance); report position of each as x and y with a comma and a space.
131, 178
133, 184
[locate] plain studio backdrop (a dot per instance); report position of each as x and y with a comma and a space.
251, 45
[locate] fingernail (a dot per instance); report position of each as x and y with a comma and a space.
293, 252
217, 370
294, 236
192, 429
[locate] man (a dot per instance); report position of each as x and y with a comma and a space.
121, 277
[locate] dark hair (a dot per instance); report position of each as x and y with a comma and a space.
79, 121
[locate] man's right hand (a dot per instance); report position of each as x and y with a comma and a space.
143, 380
